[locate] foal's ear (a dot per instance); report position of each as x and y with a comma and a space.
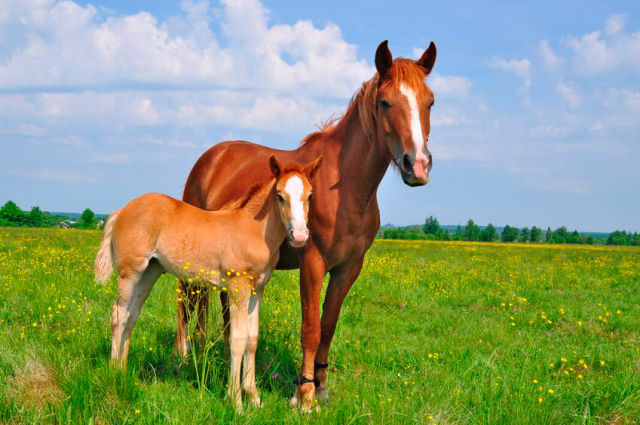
428, 58
276, 169
383, 59
311, 169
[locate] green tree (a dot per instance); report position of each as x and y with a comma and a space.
574, 237
619, 237
12, 215
472, 231
535, 235
87, 220
524, 234
431, 226
458, 235
35, 218
560, 235
549, 235
589, 240
509, 234
488, 234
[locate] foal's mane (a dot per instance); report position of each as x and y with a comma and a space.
403, 71
259, 189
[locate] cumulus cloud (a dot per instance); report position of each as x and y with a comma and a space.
597, 53
62, 44
522, 68
549, 58
449, 86
570, 93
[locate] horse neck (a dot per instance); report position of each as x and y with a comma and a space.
362, 161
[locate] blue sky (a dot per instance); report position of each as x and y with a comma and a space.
537, 116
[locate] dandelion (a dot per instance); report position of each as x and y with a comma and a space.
551, 391
580, 376
535, 381
601, 362
579, 323
539, 399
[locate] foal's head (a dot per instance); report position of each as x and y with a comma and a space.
403, 108
294, 191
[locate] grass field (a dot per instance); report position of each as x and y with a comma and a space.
432, 331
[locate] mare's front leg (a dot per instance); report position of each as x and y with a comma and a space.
342, 278
249, 365
238, 304
133, 289
312, 271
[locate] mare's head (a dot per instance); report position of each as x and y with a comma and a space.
294, 191
403, 109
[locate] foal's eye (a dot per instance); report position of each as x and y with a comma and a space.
385, 104
310, 196
280, 198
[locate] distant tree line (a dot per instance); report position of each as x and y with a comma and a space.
12, 216
431, 230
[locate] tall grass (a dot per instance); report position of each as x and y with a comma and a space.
431, 331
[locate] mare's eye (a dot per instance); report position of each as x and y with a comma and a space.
385, 104
280, 198
310, 196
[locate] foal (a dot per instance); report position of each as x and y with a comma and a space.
234, 249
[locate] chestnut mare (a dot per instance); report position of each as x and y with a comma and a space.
387, 122
155, 233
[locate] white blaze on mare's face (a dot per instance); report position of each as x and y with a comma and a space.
416, 125
294, 188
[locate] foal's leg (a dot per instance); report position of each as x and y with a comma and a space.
133, 290
238, 311
249, 366
339, 284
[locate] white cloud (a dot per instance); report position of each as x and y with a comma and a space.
521, 68
62, 44
449, 86
570, 93
614, 24
549, 58
597, 53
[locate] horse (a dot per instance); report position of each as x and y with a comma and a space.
235, 249
387, 122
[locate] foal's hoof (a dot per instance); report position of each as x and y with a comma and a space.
255, 402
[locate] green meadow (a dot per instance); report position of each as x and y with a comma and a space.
442, 332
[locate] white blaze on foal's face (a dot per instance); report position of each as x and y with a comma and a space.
294, 193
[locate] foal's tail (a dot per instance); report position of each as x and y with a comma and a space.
106, 255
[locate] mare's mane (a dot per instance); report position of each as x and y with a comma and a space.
403, 70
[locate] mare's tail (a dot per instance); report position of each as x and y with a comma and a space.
105, 260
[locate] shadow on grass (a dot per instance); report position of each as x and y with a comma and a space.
276, 366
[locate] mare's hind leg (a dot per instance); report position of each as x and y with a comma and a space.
133, 290
193, 297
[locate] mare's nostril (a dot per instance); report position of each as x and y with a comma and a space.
406, 163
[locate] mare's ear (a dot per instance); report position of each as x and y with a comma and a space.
276, 169
428, 58
383, 59
311, 169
